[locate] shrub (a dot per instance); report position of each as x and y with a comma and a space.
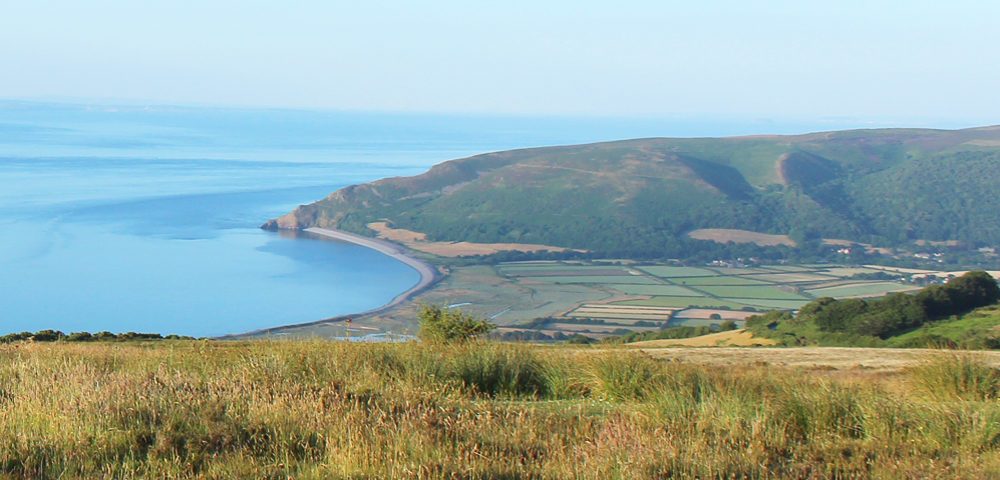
959, 376
624, 377
14, 337
443, 325
47, 336
495, 369
79, 337
105, 336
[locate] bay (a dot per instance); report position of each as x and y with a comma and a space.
144, 218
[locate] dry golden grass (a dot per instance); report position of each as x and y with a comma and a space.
732, 338
840, 358
311, 410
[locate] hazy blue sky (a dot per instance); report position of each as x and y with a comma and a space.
895, 60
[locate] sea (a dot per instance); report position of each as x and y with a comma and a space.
144, 218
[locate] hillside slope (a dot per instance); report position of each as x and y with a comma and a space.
640, 198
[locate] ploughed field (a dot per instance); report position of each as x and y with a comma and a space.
315, 409
604, 299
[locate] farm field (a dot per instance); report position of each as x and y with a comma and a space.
685, 302
599, 299
864, 290
708, 313
769, 292
720, 280
596, 279
682, 295
792, 277
664, 290
677, 272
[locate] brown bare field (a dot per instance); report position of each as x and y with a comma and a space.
417, 241
725, 235
396, 234
732, 338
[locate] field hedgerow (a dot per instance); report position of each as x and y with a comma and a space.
314, 409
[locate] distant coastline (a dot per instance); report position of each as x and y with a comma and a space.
428, 275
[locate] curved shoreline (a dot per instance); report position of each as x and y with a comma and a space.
428, 275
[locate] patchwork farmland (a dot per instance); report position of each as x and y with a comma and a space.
633, 297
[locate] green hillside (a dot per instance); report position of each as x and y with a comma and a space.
640, 198
960, 313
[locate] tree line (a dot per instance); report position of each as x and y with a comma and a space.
894, 313
105, 336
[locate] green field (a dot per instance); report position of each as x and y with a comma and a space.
665, 290
685, 302
790, 268
741, 271
751, 291
597, 279
720, 280
860, 290
796, 277
848, 271
535, 269
671, 272
524, 292
771, 304
697, 322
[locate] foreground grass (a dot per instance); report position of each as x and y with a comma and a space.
190, 409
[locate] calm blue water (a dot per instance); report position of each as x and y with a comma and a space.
145, 218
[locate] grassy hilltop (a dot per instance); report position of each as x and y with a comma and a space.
193, 409
642, 198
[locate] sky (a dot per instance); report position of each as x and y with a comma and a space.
895, 61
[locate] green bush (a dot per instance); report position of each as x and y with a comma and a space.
445, 325
79, 337
47, 336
